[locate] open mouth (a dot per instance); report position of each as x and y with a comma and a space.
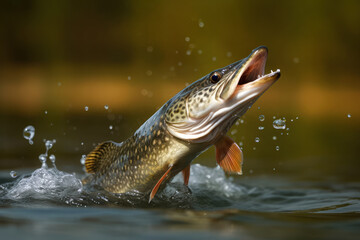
250, 77
254, 68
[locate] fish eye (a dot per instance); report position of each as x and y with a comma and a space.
215, 77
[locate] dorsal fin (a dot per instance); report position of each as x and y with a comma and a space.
100, 154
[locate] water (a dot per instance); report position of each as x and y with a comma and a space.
29, 133
220, 207
277, 197
279, 123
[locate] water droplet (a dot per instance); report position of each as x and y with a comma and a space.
254, 148
274, 169
349, 115
106, 107
29, 133
233, 132
82, 143
261, 128
86, 108
188, 52
82, 160
241, 121
297, 118
179, 64
187, 39
52, 158
241, 144
214, 59
279, 124
45, 112
129, 77
274, 138
257, 139
201, 23
59, 84
13, 174
229, 54
200, 51
110, 127
42, 158
261, 118
149, 49
277, 148
49, 144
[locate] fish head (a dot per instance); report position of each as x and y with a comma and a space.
206, 109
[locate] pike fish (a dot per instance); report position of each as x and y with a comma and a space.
196, 118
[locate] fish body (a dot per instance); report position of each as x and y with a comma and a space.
189, 123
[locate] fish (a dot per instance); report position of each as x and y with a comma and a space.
188, 124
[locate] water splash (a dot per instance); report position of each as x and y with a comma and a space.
29, 133
44, 182
257, 139
106, 107
261, 118
279, 123
43, 157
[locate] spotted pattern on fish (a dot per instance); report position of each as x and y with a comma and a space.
193, 120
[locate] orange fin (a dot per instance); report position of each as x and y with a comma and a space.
229, 155
153, 192
186, 174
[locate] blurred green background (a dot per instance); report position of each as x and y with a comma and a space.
56, 57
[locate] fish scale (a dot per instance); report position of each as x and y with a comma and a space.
188, 124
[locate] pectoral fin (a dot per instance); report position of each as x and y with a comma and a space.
186, 174
153, 192
229, 155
